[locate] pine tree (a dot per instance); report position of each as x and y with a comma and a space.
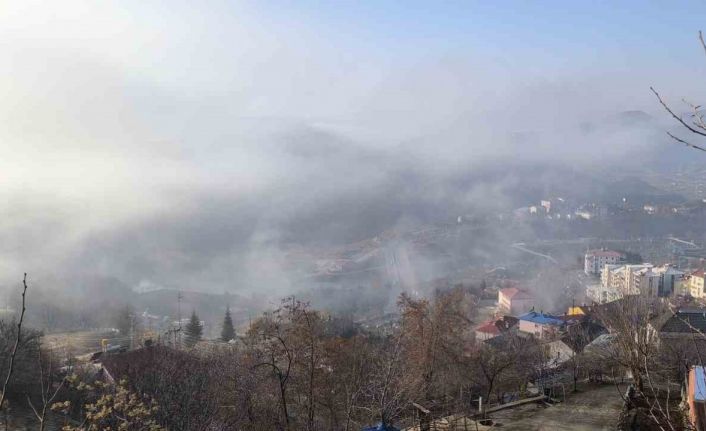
123, 319
193, 331
228, 332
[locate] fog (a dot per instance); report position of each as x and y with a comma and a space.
168, 147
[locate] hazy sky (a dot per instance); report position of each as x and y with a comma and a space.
177, 142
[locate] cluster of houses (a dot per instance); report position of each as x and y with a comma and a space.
517, 316
618, 279
679, 327
563, 208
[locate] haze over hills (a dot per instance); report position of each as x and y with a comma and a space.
355, 215
338, 191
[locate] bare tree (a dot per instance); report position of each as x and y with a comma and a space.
275, 353
18, 339
388, 392
49, 389
696, 125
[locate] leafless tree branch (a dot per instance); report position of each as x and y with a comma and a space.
675, 116
688, 144
17, 343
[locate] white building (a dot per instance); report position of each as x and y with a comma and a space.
622, 277
600, 294
696, 284
644, 279
596, 260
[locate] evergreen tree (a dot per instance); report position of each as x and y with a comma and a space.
122, 319
193, 331
228, 332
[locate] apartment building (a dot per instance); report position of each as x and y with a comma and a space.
622, 277
696, 284
596, 260
644, 279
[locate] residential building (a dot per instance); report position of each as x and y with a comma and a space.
685, 323
633, 279
669, 279
612, 275
514, 300
646, 281
696, 397
547, 205
494, 328
600, 294
696, 284
541, 325
596, 260
681, 286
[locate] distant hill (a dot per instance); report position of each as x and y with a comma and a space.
633, 118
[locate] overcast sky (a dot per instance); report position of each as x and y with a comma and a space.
179, 142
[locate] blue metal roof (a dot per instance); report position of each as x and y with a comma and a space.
380, 427
541, 318
699, 383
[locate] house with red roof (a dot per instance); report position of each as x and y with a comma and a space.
493, 328
514, 300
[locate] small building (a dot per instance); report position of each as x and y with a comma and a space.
494, 328
514, 300
595, 260
541, 325
696, 397
685, 323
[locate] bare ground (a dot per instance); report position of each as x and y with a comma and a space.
594, 407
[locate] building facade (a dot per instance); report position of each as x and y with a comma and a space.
696, 397
595, 260
544, 326
696, 284
513, 300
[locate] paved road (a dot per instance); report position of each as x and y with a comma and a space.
594, 408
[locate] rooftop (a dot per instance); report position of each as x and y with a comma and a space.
488, 328
542, 319
685, 320
497, 326
604, 253
515, 293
